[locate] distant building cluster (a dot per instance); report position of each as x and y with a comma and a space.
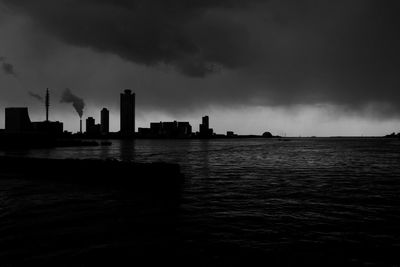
205, 130
176, 129
103, 128
172, 129
17, 121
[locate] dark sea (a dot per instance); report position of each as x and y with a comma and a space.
244, 202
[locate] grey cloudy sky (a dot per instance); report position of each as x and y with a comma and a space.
297, 67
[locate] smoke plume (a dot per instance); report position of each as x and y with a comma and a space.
7, 67
36, 96
77, 102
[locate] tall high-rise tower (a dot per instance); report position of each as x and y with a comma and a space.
127, 113
205, 130
90, 124
47, 104
206, 122
105, 121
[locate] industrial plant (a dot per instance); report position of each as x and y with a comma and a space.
17, 121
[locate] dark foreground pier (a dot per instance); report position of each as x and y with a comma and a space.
156, 176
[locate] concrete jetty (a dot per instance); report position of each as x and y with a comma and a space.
132, 175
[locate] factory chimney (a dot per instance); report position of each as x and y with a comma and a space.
80, 126
47, 104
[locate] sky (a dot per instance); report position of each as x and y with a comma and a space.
291, 67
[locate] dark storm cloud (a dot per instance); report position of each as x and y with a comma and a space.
344, 52
263, 52
142, 31
77, 102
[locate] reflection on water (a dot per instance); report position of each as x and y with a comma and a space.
126, 151
313, 201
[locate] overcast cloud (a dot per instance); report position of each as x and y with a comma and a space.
181, 55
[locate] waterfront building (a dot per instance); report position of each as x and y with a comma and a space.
105, 121
17, 120
90, 126
49, 127
173, 129
230, 134
204, 128
127, 113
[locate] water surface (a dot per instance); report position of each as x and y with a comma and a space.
305, 201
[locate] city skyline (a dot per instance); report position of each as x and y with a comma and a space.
285, 129
17, 121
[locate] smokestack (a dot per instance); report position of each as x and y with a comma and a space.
80, 126
47, 104
78, 103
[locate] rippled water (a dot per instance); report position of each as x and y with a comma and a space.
305, 201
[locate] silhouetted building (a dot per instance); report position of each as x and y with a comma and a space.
90, 122
105, 121
47, 104
91, 127
97, 129
206, 122
127, 113
156, 128
171, 129
184, 129
230, 134
144, 132
17, 120
48, 127
204, 128
267, 135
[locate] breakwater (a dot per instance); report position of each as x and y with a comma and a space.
94, 171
